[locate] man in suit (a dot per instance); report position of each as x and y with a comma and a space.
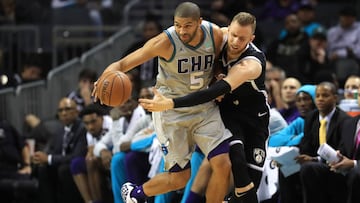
345, 174
349, 163
313, 168
55, 180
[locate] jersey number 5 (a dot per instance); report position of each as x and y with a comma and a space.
196, 80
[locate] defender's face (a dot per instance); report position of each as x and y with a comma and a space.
239, 37
186, 28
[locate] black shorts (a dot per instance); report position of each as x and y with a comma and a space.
252, 130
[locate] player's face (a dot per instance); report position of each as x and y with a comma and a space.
239, 37
186, 28
304, 103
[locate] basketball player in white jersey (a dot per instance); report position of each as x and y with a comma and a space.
186, 53
244, 107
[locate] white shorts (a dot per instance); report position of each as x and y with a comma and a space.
179, 130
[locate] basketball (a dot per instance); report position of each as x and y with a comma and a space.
114, 88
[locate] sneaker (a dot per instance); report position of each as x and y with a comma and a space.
125, 193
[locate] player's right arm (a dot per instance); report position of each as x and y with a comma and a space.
157, 46
160, 46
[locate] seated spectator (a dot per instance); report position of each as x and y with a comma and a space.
14, 161
344, 45
313, 57
344, 38
306, 15
285, 52
42, 130
347, 169
82, 95
108, 147
221, 11
351, 88
88, 171
33, 69
136, 146
277, 10
325, 100
291, 136
349, 104
53, 164
321, 126
288, 96
274, 77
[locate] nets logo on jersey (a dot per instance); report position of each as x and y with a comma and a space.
259, 155
195, 63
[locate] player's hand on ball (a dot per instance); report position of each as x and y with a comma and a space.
113, 88
158, 103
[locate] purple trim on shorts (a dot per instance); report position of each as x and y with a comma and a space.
78, 166
177, 168
220, 149
198, 149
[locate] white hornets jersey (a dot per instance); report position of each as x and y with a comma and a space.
190, 68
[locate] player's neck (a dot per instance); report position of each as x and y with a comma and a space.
197, 39
233, 56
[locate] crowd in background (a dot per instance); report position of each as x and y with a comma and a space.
86, 152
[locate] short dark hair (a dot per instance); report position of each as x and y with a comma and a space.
92, 108
187, 10
331, 85
244, 18
88, 74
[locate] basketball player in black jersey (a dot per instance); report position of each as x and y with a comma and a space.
244, 107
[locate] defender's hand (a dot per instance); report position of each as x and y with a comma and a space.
158, 103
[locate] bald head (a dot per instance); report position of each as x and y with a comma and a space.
187, 10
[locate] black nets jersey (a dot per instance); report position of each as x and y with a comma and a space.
245, 110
